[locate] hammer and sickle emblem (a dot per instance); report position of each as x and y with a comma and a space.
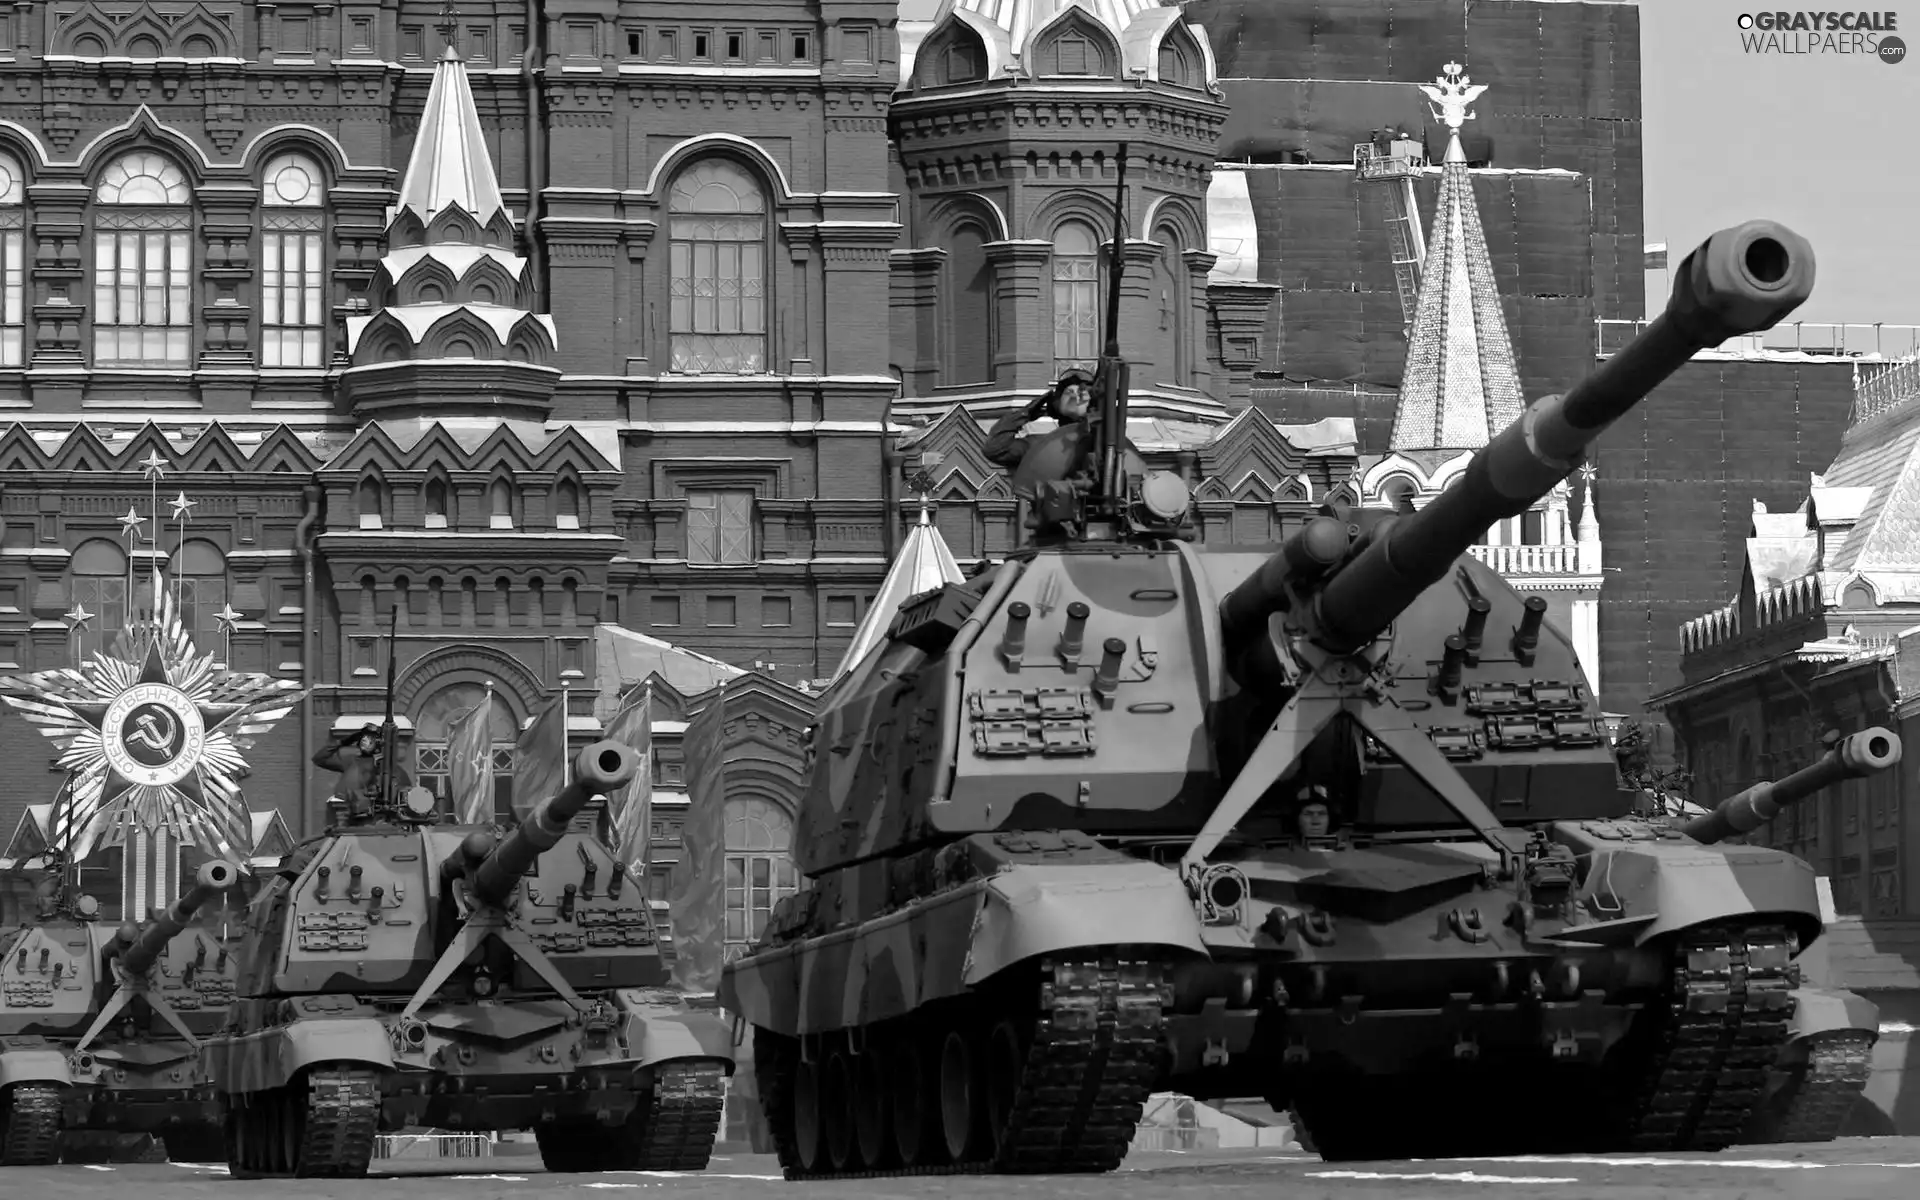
149, 734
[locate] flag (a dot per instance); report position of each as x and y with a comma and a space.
696, 889
629, 807
1656, 256
540, 757
470, 763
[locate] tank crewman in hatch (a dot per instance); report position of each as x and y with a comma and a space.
356, 756
1053, 458
1067, 401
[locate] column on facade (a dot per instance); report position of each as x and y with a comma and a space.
795, 293
1139, 312
914, 299
227, 220
855, 279
637, 239
1240, 310
1023, 305
58, 213
1197, 264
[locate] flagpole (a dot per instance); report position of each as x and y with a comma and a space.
566, 768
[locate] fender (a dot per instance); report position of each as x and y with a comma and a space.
271, 1058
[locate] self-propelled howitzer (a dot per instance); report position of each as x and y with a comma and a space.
1088, 789
104, 1026
403, 972
1822, 1070
1858, 755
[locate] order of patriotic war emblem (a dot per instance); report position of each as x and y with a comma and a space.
154, 734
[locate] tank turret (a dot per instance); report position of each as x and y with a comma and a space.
598, 769
212, 879
1856, 756
524, 969
1334, 822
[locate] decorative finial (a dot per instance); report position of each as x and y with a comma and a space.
1587, 472
449, 23
79, 618
181, 506
131, 523
228, 618
153, 466
1452, 95
923, 509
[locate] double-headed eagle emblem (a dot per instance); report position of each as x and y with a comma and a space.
152, 735
1450, 95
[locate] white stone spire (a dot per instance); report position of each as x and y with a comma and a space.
1460, 386
450, 163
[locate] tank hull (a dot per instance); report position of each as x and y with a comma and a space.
988, 982
646, 1075
1354, 980
156, 1087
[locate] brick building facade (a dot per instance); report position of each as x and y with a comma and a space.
1823, 634
588, 332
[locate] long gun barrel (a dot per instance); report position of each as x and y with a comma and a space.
214, 878
1740, 280
1865, 753
598, 769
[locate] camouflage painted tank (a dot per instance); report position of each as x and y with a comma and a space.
1823, 1068
1062, 849
399, 973
103, 1027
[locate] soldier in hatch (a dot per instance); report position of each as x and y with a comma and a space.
1313, 816
356, 756
1045, 468
1067, 401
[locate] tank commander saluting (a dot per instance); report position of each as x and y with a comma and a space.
1048, 469
356, 756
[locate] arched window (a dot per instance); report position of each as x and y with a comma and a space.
373, 503
142, 264
99, 571
13, 272
434, 504
292, 273
198, 576
1175, 65
433, 726
968, 344
500, 497
1076, 296
719, 259
1397, 492
760, 870
1172, 362
566, 505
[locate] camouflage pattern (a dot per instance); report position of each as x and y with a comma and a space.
106, 1039
1053, 851
408, 974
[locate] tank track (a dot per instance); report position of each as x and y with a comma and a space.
1814, 1105
1091, 1065
30, 1125
682, 1118
340, 1120
1726, 1018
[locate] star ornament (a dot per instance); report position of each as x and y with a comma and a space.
131, 523
181, 505
152, 735
153, 466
